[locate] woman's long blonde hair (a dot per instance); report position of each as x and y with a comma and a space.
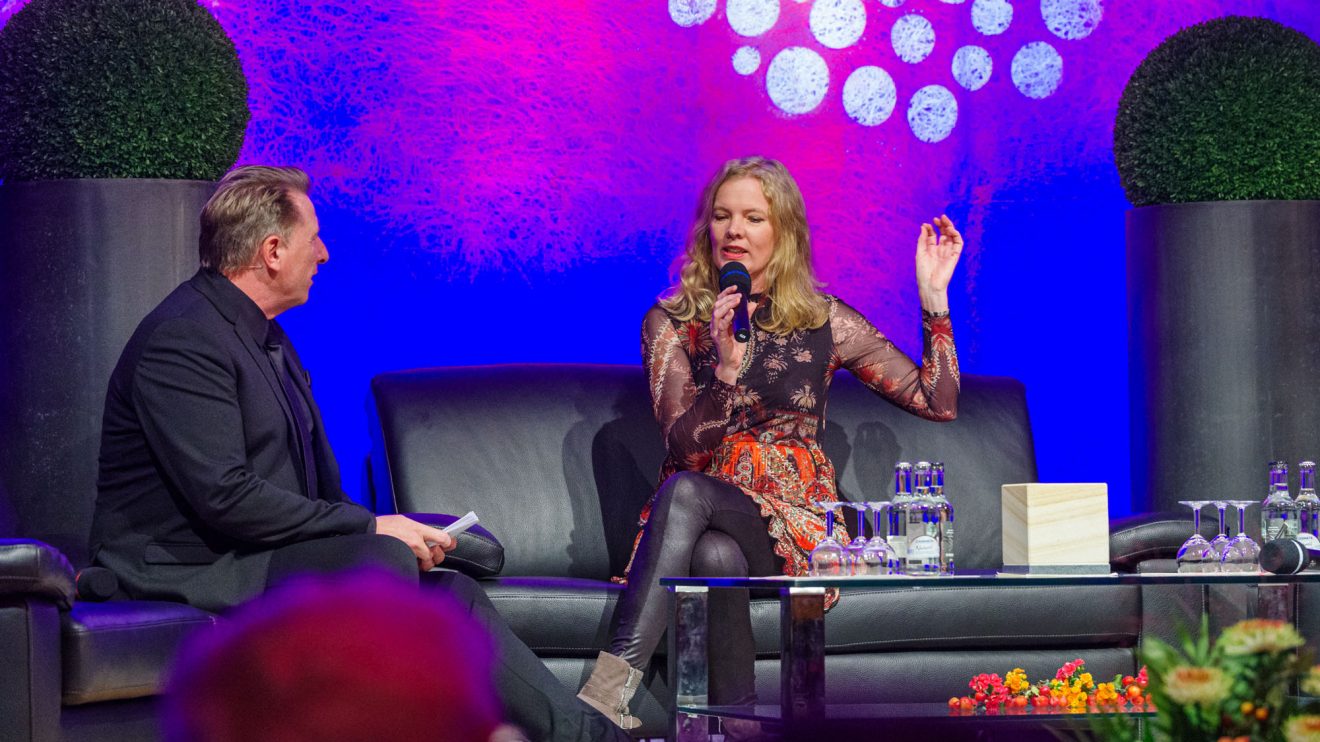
795, 299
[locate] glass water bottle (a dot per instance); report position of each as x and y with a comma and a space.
1278, 513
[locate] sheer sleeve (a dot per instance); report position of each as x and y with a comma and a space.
692, 416
929, 391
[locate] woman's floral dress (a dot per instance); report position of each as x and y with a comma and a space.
761, 434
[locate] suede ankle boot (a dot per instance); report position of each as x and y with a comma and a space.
609, 689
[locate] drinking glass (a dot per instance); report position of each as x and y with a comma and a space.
854, 549
1196, 554
879, 555
1243, 554
828, 559
1220, 542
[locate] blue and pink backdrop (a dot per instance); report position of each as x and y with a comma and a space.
510, 180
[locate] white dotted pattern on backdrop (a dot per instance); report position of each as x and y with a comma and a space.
688, 13
746, 60
913, 38
797, 80
837, 24
1071, 19
752, 17
932, 113
869, 95
991, 17
798, 77
1037, 69
972, 66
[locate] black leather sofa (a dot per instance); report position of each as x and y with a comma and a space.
558, 460
79, 670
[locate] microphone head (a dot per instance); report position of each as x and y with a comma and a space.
1285, 556
96, 584
735, 274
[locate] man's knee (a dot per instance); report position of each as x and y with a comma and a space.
462, 589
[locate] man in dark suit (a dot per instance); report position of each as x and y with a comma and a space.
216, 479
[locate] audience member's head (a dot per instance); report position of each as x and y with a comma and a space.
342, 658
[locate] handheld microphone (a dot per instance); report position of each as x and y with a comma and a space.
735, 274
95, 584
1286, 556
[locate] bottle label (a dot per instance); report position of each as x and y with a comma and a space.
1277, 528
923, 547
1311, 542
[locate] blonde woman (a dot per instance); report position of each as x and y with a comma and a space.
741, 420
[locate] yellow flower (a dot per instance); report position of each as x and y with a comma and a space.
1016, 680
1302, 729
1076, 701
1105, 693
1197, 685
1086, 680
1311, 683
1259, 635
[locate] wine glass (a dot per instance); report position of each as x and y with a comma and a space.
1220, 542
855, 548
1243, 554
828, 559
1196, 555
879, 555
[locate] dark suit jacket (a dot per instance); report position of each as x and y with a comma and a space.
200, 469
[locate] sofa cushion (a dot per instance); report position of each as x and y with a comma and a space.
945, 618
556, 616
563, 617
122, 649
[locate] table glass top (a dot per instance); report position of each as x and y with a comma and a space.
993, 579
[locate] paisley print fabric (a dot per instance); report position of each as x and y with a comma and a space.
761, 434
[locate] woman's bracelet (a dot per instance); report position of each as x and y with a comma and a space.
935, 315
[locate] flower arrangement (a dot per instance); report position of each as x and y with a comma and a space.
1236, 688
1071, 689
1233, 690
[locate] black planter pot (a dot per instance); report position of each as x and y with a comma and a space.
81, 262
1224, 347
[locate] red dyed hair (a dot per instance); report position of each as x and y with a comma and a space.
363, 657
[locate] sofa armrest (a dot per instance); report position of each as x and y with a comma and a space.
32, 568
478, 553
1146, 536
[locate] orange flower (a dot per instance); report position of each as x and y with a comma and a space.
1302, 729
1197, 685
1259, 636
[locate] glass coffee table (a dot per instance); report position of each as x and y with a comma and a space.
802, 638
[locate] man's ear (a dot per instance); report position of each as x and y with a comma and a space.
270, 253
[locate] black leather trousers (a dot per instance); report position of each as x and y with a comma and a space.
699, 526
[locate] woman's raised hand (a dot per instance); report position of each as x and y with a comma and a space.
937, 256
721, 333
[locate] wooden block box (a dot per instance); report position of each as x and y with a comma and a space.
1056, 528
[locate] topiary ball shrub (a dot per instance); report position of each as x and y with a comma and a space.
1225, 110
118, 89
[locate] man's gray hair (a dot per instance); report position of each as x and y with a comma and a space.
250, 203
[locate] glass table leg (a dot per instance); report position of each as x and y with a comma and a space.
1275, 602
802, 653
687, 662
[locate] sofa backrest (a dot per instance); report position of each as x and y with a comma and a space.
557, 460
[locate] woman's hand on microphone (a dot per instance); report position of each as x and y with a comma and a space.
730, 351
